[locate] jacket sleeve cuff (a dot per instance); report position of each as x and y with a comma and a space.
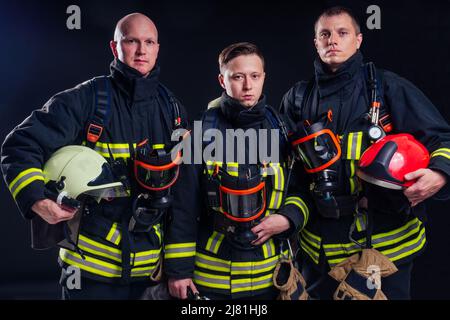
439, 162
28, 196
179, 268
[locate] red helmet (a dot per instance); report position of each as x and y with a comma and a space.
386, 162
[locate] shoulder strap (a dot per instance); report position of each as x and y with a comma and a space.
211, 119
277, 123
374, 78
102, 110
170, 100
301, 92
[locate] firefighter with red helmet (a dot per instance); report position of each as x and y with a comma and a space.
367, 210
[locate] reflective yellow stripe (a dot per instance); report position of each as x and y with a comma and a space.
416, 244
352, 177
378, 240
158, 146
311, 235
255, 267
214, 242
211, 280
297, 201
100, 267
212, 263
232, 168
114, 235
99, 249
146, 257
24, 178
89, 264
118, 150
239, 285
443, 152
210, 165
278, 185
180, 250
157, 229
310, 252
402, 251
354, 144
268, 249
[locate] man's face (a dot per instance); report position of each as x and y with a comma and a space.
138, 45
336, 40
243, 79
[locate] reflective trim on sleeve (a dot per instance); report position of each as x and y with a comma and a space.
24, 178
297, 201
180, 250
442, 152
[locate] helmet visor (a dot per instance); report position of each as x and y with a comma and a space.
318, 151
156, 178
105, 185
243, 205
114, 191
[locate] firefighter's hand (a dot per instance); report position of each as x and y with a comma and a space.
428, 183
269, 226
52, 212
178, 287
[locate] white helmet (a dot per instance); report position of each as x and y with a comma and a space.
79, 170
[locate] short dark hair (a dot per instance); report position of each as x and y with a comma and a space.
338, 10
238, 49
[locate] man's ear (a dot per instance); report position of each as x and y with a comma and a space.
315, 42
359, 39
113, 46
221, 80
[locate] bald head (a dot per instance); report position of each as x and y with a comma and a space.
130, 21
136, 42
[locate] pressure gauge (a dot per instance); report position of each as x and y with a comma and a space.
375, 132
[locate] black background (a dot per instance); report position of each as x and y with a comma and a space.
39, 57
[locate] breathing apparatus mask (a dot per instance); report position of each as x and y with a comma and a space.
238, 201
155, 172
320, 151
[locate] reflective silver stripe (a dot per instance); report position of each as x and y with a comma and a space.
308, 238
443, 152
375, 240
251, 283
415, 246
212, 263
90, 266
361, 222
105, 252
268, 249
214, 242
146, 257
114, 234
180, 250
302, 205
212, 279
276, 172
232, 169
103, 148
255, 268
144, 272
354, 143
21, 182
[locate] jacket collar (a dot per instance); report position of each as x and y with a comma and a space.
329, 82
240, 116
133, 83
